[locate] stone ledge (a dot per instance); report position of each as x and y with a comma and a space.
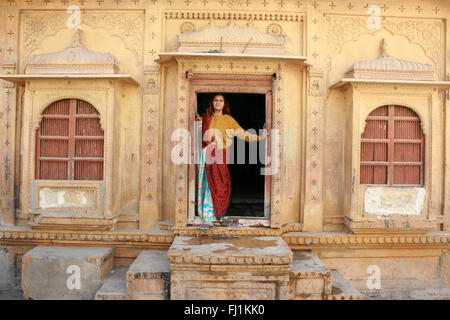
163, 239
238, 231
229, 251
139, 239
305, 240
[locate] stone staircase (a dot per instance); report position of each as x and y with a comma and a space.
194, 268
235, 268
148, 278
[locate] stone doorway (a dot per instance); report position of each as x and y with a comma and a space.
251, 103
246, 159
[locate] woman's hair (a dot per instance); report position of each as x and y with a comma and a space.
210, 110
226, 106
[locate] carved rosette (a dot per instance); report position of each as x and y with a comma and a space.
274, 29
187, 27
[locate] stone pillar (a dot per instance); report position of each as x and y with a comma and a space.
150, 194
149, 207
9, 22
447, 158
313, 204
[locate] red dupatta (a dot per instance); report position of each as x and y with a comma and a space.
218, 175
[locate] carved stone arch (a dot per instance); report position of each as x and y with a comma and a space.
79, 96
417, 111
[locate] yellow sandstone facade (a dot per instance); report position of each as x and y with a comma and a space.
323, 68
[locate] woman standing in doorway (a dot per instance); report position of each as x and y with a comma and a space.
214, 182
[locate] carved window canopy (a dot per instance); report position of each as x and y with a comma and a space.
165, 57
389, 70
22, 78
441, 85
75, 62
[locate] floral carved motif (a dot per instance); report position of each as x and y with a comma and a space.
274, 29
128, 26
425, 33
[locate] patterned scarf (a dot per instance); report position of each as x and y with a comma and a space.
218, 175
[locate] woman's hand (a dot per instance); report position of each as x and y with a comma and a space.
198, 117
264, 135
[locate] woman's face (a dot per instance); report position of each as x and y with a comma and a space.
218, 103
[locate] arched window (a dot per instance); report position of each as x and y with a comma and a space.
392, 148
69, 142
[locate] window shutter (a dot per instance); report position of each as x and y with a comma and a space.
52, 145
392, 147
69, 142
88, 143
374, 148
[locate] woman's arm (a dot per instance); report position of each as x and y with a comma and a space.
242, 134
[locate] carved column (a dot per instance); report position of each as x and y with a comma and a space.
150, 193
181, 183
9, 21
313, 205
149, 206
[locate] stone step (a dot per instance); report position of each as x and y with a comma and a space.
342, 289
309, 278
115, 285
148, 277
64, 272
231, 268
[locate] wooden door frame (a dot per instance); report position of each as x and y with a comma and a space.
256, 84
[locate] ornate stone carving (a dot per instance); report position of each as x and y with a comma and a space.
295, 241
76, 59
274, 29
43, 237
183, 15
187, 27
128, 26
230, 39
388, 67
38, 25
425, 33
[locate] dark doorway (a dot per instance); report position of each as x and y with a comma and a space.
247, 183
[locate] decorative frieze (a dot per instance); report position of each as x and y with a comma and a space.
295, 240
120, 239
183, 15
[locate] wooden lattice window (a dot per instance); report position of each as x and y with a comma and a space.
392, 148
69, 142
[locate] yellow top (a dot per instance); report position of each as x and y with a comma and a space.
226, 127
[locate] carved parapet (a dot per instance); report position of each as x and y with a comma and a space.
85, 238
335, 239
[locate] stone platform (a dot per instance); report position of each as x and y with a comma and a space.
237, 268
64, 272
